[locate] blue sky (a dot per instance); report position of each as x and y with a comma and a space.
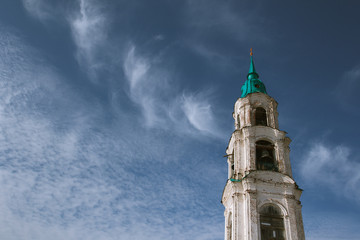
115, 115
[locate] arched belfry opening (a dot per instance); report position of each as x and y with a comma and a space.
265, 157
260, 117
231, 164
272, 223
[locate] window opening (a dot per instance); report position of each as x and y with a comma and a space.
265, 159
260, 117
231, 165
272, 223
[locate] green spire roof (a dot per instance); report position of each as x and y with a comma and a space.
253, 83
252, 72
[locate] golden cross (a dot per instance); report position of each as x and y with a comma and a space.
251, 53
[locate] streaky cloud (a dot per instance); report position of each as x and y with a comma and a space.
325, 226
321, 164
89, 31
142, 86
38, 9
88, 24
200, 115
151, 87
135, 68
64, 174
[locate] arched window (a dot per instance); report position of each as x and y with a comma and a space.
260, 117
265, 159
272, 223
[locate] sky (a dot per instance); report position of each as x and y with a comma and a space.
115, 115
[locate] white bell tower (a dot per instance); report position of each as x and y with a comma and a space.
261, 199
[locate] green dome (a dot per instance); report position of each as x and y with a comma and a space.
253, 83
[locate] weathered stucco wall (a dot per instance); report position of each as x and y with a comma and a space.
248, 188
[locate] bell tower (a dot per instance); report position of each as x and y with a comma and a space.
261, 199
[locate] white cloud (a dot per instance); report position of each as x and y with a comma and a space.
65, 174
38, 153
199, 113
89, 31
151, 87
331, 225
38, 9
143, 86
135, 68
159, 37
88, 24
334, 167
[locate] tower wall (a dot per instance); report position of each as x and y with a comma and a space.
250, 188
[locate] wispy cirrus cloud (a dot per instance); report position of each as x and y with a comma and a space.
88, 23
153, 90
151, 86
135, 68
38, 9
40, 165
333, 166
143, 86
89, 31
325, 225
67, 173
200, 115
